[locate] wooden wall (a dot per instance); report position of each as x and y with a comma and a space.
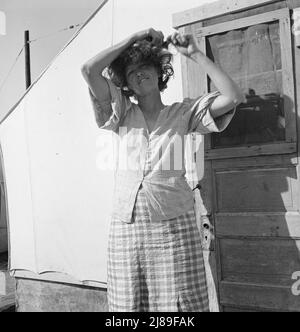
252, 200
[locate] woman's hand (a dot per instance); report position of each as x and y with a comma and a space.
154, 36
184, 43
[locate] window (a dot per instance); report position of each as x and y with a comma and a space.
256, 52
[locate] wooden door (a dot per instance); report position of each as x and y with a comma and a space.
251, 186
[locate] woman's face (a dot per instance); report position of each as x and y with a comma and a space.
142, 78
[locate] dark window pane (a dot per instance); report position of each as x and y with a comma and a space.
252, 57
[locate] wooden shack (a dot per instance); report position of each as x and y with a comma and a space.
248, 210
251, 221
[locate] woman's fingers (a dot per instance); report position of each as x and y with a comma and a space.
178, 39
174, 38
182, 40
154, 36
184, 43
157, 37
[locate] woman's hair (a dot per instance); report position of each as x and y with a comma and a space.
141, 52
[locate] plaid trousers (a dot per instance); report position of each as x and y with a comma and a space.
156, 266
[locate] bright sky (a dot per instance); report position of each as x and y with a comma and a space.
40, 18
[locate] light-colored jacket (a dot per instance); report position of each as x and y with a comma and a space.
154, 160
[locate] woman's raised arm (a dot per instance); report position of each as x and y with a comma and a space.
231, 95
92, 70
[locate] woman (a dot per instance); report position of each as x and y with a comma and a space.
155, 260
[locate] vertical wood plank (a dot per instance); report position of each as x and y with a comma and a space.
210, 256
184, 68
204, 83
288, 79
211, 279
197, 73
296, 26
296, 63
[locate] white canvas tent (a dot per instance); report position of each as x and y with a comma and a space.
59, 200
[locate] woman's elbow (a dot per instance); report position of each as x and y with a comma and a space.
85, 70
239, 98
